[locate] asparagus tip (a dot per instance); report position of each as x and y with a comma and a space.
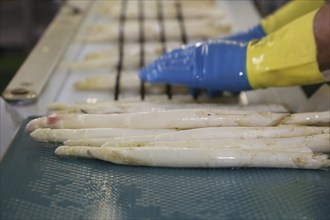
31, 126
60, 150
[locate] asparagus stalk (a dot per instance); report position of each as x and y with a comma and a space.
309, 118
104, 62
130, 80
199, 157
316, 143
191, 9
169, 119
132, 62
126, 107
60, 135
132, 50
197, 29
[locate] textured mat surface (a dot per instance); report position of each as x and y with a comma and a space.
37, 184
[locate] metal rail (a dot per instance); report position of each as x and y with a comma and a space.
28, 83
121, 42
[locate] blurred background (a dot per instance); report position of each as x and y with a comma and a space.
22, 23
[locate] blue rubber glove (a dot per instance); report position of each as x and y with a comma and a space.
256, 32
214, 65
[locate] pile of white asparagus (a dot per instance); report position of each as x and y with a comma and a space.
178, 133
202, 20
188, 135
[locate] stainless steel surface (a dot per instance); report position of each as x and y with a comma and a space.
48, 62
290, 97
20, 95
319, 101
241, 13
29, 81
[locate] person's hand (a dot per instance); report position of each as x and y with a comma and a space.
256, 32
214, 65
282, 58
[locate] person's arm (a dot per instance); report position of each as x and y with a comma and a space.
290, 56
282, 16
289, 12
322, 36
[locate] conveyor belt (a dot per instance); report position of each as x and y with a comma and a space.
37, 184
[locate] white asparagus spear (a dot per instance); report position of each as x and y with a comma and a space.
125, 107
316, 143
97, 142
131, 62
191, 9
309, 137
60, 135
169, 119
244, 132
104, 62
133, 50
309, 118
130, 82
113, 11
100, 59
197, 29
199, 157
206, 144
109, 53
180, 99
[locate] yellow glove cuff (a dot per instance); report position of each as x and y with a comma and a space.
286, 57
288, 13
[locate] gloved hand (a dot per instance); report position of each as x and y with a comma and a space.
282, 58
291, 11
215, 65
256, 32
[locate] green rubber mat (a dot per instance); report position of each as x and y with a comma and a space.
37, 184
